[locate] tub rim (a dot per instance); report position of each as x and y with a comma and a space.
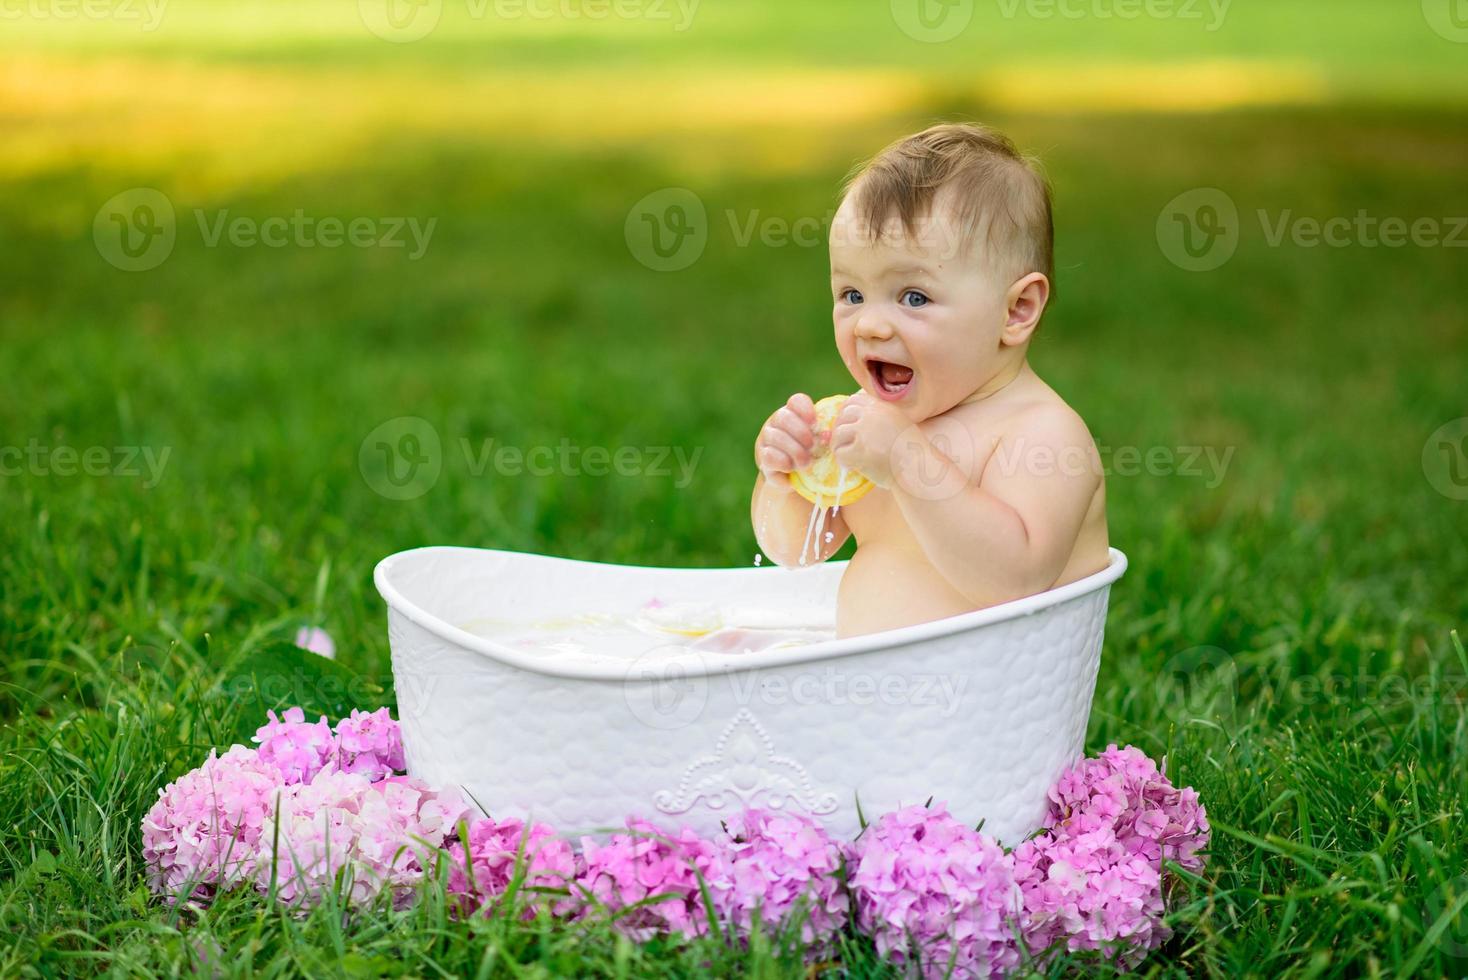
703, 663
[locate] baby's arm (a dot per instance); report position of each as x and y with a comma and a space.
781, 518
779, 515
1011, 533
1002, 536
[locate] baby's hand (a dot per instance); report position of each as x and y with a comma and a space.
786, 441
866, 434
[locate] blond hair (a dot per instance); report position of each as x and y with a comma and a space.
997, 192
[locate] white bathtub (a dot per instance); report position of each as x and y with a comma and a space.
981, 710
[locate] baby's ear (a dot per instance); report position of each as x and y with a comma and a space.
1025, 304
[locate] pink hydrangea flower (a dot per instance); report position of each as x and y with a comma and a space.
773, 864
313, 809
934, 892
404, 825
298, 748
317, 640
1094, 879
1088, 893
498, 849
643, 863
369, 837
203, 834
1124, 789
370, 744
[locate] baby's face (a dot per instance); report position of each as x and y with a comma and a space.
918, 320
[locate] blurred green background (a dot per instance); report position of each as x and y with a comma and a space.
1332, 545
528, 140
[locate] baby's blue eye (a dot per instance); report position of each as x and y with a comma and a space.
850, 296
914, 299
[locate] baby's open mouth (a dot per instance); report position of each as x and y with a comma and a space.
891, 380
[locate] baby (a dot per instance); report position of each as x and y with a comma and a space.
988, 485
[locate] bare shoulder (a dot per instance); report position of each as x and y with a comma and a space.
1047, 418
1040, 434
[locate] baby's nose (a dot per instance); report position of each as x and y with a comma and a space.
873, 326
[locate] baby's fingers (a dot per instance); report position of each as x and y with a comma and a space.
796, 453
801, 404
844, 432
788, 422
775, 465
850, 413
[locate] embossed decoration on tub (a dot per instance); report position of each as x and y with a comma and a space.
744, 770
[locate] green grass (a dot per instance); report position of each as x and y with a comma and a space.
1284, 635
